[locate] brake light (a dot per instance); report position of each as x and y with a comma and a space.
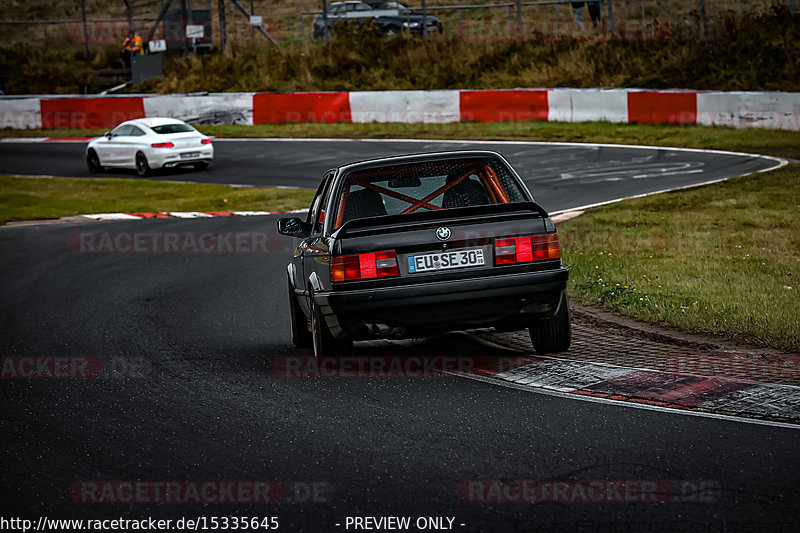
526, 249
205, 141
163, 145
364, 266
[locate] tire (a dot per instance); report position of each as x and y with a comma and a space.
142, 168
391, 31
325, 344
301, 336
553, 334
93, 162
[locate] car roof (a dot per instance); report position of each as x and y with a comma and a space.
415, 158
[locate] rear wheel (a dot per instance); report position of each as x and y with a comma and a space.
142, 168
553, 334
93, 162
325, 344
301, 337
391, 31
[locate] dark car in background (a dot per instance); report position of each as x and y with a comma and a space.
410, 246
389, 17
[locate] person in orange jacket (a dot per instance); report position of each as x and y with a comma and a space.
132, 45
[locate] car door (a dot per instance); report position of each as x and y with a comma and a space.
107, 148
129, 144
310, 258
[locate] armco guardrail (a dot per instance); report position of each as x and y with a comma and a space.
769, 110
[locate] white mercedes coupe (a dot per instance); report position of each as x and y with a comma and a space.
145, 144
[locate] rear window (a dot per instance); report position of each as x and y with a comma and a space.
426, 186
172, 128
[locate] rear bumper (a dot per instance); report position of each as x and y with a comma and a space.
438, 306
168, 158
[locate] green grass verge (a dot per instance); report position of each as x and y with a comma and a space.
769, 142
39, 198
721, 259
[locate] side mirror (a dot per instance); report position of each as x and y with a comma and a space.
107, 135
293, 227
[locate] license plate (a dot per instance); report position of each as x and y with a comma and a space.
187, 155
445, 260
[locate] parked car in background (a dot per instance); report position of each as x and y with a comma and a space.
390, 17
145, 144
413, 245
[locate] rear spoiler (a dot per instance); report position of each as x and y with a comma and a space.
403, 222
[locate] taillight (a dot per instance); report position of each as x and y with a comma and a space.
205, 141
163, 145
364, 266
525, 249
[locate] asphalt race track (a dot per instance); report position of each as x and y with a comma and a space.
560, 176
189, 392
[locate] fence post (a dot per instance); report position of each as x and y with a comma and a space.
222, 36
325, 35
610, 17
643, 21
85, 31
302, 30
791, 6
424, 20
519, 17
460, 24
253, 12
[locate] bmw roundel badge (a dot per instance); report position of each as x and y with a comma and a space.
443, 233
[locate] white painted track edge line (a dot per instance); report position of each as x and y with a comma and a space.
780, 163
623, 404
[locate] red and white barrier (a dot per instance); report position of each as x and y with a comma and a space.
408, 107
769, 110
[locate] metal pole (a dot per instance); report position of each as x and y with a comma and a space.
185, 20
191, 21
703, 8
302, 31
325, 36
519, 17
790, 3
222, 26
557, 12
610, 17
85, 31
253, 12
45, 33
643, 22
461, 23
130, 16
424, 20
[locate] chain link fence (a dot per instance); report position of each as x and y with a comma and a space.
476, 21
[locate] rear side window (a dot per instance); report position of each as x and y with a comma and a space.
426, 186
172, 128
